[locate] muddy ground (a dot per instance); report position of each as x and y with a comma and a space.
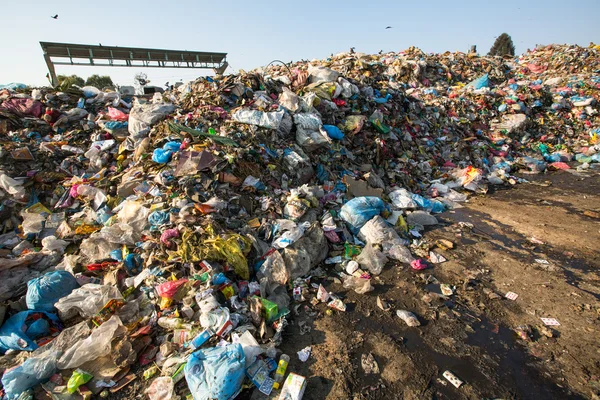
472, 333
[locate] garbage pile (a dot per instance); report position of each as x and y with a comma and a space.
166, 238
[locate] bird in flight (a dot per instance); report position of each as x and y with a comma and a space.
54, 16
388, 27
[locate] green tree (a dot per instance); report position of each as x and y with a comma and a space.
65, 82
503, 46
99, 82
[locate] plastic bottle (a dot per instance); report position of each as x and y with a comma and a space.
280, 372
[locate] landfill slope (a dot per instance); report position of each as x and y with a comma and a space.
401, 225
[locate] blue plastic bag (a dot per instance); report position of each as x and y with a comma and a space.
158, 218
322, 174
360, 210
216, 373
434, 206
116, 254
114, 125
161, 156
46, 290
382, 100
20, 330
482, 81
554, 157
32, 372
333, 132
133, 264
173, 146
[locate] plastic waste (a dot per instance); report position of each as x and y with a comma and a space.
359, 210
428, 204
270, 120
27, 375
45, 291
291, 236
359, 284
143, 116
409, 318
372, 259
216, 373
170, 288
402, 198
78, 378
318, 74
20, 331
289, 100
86, 300
481, 82
161, 388
117, 115
280, 372
333, 132
96, 345
421, 218
162, 156
12, 186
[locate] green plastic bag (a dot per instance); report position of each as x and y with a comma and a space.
78, 378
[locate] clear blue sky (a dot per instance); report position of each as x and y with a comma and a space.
257, 32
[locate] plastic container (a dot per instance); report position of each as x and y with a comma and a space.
281, 368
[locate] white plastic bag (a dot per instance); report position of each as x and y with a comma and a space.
11, 186
289, 100
358, 284
94, 346
401, 198
143, 116
378, 231
409, 318
372, 259
270, 120
134, 215
87, 300
32, 223
322, 74
51, 243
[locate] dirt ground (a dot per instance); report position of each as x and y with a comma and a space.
472, 333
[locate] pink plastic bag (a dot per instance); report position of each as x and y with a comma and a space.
418, 264
170, 288
166, 237
117, 115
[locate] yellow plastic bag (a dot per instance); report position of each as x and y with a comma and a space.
231, 249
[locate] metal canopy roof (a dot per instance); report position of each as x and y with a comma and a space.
113, 56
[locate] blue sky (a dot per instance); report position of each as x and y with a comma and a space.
257, 32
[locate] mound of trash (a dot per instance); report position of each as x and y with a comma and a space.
165, 238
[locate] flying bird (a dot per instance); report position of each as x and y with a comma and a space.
54, 16
388, 27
